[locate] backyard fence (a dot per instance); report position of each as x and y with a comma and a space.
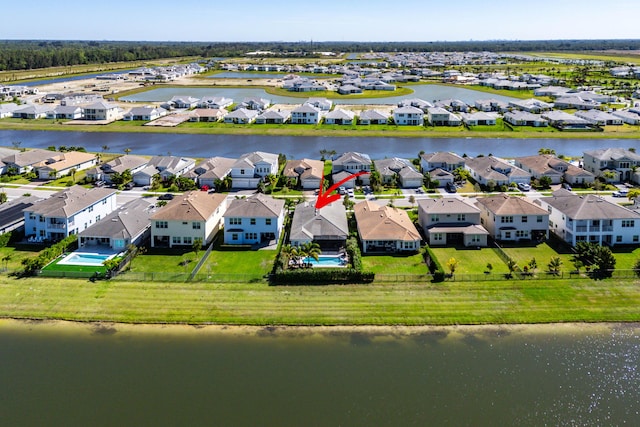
139, 276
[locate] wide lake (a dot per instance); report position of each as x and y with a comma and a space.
86, 375
296, 147
426, 92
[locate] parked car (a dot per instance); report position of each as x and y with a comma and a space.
342, 191
451, 187
167, 196
621, 193
566, 186
524, 187
129, 185
351, 193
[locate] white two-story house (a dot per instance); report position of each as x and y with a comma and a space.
620, 161
193, 215
590, 218
250, 168
68, 212
511, 218
257, 219
408, 116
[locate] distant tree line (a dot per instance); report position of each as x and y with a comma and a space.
31, 54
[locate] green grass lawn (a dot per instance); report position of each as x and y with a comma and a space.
626, 257
470, 261
542, 252
249, 262
394, 264
16, 255
174, 260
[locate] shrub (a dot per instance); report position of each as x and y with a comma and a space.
31, 265
323, 276
435, 268
353, 250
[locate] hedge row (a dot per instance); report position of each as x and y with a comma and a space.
31, 265
353, 251
321, 276
434, 265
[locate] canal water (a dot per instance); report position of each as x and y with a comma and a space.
426, 92
555, 375
296, 147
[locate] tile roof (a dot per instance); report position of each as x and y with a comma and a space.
377, 222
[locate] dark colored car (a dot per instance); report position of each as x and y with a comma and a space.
451, 187
167, 196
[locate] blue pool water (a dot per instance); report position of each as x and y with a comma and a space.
83, 258
328, 261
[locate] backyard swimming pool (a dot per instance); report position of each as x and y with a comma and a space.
328, 261
86, 258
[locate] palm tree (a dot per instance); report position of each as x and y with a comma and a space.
310, 250
271, 179
291, 254
554, 265
127, 150
72, 172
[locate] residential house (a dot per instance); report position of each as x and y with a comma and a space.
241, 116
26, 161
32, 112
127, 225
101, 111
215, 102
327, 226
512, 218
451, 221
438, 116
590, 218
185, 218
211, 170
65, 112
257, 219
250, 168
415, 102
599, 118
444, 178
11, 213
207, 115
620, 161
257, 104
306, 172
351, 163
276, 117
61, 164
182, 102
372, 117
400, 170
408, 116
575, 102
441, 159
6, 110
523, 118
339, 117
554, 168
165, 166
146, 114
306, 114
385, 229
119, 165
323, 104
67, 212
478, 119
627, 117
489, 169
532, 105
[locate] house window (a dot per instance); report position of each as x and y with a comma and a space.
241, 171
522, 233
32, 216
162, 224
507, 235
187, 240
627, 223
618, 239
196, 225
435, 218
252, 221
635, 239
250, 236
549, 209
90, 209
539, 218
461, 217
267, 221
234, 236
475, 238
176, 240
506, 219
437, 237
235, 221
525, 218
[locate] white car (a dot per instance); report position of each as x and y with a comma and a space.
621, 193
524, 187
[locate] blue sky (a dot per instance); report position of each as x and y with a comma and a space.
328, 20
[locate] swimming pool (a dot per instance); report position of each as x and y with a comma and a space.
328, 261
86, 258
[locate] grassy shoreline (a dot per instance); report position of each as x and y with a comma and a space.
321, 130
256, 304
